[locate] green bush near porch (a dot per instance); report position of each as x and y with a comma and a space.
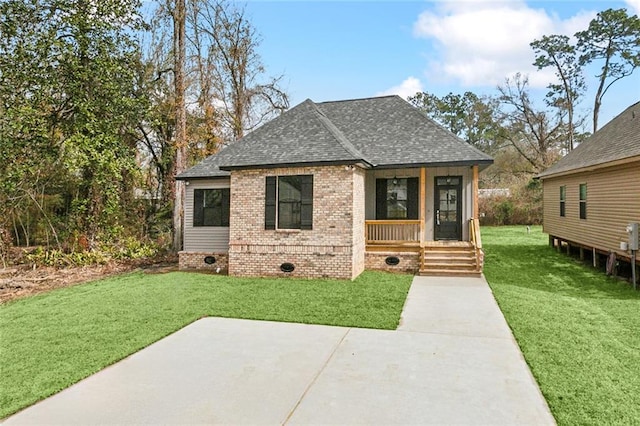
53, 340
578, 329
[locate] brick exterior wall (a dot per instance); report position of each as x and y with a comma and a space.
333, 248
195, 260
409, 262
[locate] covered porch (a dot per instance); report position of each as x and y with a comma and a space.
438, 233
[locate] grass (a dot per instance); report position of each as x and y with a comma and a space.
53, 340
577, 328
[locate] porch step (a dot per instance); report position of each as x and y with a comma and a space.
448, 273
449, 259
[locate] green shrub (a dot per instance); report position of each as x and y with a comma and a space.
127, 249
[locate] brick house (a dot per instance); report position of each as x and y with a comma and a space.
329, 189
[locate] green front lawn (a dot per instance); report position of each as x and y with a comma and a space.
53, 340
578, 329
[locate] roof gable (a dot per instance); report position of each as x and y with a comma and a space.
617, 140
301, 135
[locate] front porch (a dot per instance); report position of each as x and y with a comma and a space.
400, 242
424, 220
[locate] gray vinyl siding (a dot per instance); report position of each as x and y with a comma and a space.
207, 239
432, 172
613, 201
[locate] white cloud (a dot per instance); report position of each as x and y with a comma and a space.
633, 7
408, 87
479, 43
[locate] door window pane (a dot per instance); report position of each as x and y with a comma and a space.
448, 180
448, 204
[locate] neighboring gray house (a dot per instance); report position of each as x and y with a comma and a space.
329, 189
593, 193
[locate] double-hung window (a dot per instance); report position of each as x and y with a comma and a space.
397, 198
583, 201
289, 202
563, 195
211, 207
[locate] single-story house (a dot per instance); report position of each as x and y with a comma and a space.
593, 193
328, 189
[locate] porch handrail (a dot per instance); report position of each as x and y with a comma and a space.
476, 240
474, 228
385, 231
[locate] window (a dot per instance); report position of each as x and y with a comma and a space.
583, 201
397, 198
289, 202
563, 194
211, 207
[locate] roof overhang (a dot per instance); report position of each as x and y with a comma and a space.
361, 163
203, 177
590, 168
482, 164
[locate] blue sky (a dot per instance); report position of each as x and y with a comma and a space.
330, 50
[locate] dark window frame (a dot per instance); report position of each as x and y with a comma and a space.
563, 199
275, 206
412, 200
206, 215
583, 200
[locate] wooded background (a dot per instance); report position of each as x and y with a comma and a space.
101, 106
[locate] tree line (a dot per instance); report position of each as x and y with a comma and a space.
101, 106
527, 135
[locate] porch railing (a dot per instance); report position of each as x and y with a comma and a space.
392, 231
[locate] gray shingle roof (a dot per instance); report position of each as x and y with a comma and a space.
391, 132
617, 140
379, 132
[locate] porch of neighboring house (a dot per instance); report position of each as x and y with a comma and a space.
440, 234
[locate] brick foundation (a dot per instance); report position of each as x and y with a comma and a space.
195, 260
307, 265
409, 261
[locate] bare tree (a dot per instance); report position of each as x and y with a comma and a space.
614, 38
208, 87
536, 135
231, 70
556, 52
179, 46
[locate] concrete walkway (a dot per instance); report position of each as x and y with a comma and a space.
453, 360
